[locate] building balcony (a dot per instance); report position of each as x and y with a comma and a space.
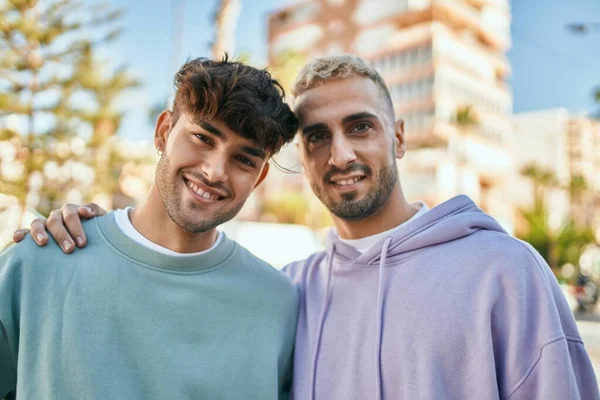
460, 14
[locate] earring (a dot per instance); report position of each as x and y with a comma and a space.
159, 153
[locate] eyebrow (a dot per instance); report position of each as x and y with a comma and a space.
350, 118
358, 116
209, 128
312, 128
254, 152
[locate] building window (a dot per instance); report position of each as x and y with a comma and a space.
404, 60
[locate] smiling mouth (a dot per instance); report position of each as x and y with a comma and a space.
347, 182
202, 193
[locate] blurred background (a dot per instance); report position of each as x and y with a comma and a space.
501, 101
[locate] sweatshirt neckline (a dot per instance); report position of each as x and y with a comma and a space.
142, 254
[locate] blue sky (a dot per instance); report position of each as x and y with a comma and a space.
551, 67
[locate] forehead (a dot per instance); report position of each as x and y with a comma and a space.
331, 102
188, 122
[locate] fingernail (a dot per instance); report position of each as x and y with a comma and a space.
67, 245
40, 237
90, 210
79, 241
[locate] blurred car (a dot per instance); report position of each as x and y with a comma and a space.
586, 292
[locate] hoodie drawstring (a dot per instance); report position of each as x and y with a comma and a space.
380, 295
320, 322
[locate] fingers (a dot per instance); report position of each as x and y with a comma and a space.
72, 215
38, 231
72, 222
63, 225
91, 210
57, 228
20, 235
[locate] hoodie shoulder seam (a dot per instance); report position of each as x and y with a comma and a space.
574, 339
534, 364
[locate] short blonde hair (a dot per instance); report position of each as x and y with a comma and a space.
324, 69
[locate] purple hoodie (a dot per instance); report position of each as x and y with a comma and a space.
449, 307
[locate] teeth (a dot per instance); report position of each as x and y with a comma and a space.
346, 182
201, 192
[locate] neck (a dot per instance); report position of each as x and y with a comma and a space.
153, 222
395, 212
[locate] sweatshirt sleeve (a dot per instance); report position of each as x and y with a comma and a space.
8, 369
539, 352
563, 371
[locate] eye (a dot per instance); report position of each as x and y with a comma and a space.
361, 127
246, 161
204, 138
316, 137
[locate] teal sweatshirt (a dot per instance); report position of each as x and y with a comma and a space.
120, 321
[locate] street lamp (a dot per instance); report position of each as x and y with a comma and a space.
583, 28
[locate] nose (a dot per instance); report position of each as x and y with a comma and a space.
214, 168
342, 153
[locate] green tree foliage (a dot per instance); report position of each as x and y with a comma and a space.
285, 67
560, 245
465, 117
53, 90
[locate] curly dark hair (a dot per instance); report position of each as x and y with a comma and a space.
247, 99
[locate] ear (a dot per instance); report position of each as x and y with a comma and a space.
163, 126
263, 174
399, 143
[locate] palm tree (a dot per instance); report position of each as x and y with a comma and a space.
37, 40
104, 118
577, 186
538, 232
543, 180
466, 117
582, 201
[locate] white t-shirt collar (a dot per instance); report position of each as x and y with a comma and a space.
364, 244
124, 223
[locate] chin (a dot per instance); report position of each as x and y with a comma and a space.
197, 226
349, 196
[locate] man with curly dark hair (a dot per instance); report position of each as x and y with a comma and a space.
162, 305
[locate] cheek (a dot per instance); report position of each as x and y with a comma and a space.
314, 174
185, 152
244, 184
375, 152
316, 158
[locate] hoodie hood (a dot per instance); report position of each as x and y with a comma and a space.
454, 219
